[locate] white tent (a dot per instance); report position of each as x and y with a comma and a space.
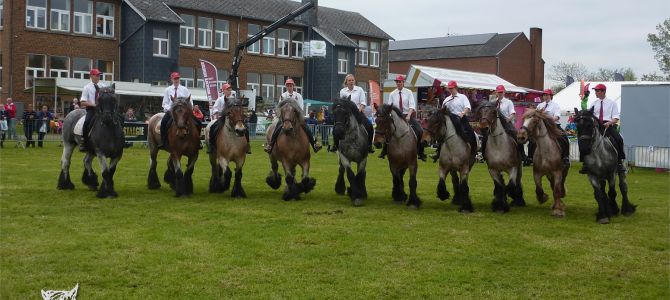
568, 98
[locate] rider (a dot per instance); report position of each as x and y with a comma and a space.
403, 99
227, 93
553, 111
459, 105
608, 114
172, 92
357, 95
292, 95
89, 96
506, 108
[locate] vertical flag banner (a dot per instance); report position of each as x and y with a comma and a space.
375, 93
211, 78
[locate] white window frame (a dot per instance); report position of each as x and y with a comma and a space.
106, 75
61, 73
60, 16
105, 20
222, 78
81, 74
363, 52
255, 47
254, 86
1, 11
284, 45
83, 17
187, 81
221, 36
281, 88
162, 41
342, 63
32, 71
297, 45
297, 87
205, 42
374, 55
269, 42
186, 32
37, 10
268, 88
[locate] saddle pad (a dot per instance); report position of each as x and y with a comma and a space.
79, 126
158, 124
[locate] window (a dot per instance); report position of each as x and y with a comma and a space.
223, 78
59, 66
104, 19
1, 10
204, 32
268, 87
60, 15
298, 84
374, 54
281, 88
253, 82
269, 44
187, 31
83, 16
161, 43
342, 62
364, 86
81, 67
35, 68
221, 35
107, 69
36, 14
283, 42
187, 76
251, 31
363, 53
296, 49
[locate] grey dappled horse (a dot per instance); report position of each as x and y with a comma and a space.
106, 141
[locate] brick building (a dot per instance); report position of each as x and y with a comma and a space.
144, 40
512, 56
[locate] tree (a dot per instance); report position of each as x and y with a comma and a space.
660, 43
604, 74
654, 77
559, 71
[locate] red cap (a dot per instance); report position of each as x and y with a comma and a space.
94, 72
289, 81
174, 75
500, 89
548, 91
600, 86
400, 78
452, 84
226, 86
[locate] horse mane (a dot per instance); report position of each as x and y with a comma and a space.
181, 101
350, 107
553, 130
387, 108
441, 116
232, 102
294, 106
503, 121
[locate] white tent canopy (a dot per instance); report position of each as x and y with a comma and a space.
421, 76
568, 98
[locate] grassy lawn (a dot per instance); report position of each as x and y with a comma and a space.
149, 245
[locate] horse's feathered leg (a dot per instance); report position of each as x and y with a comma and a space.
274, 178
188, 175
442, 192
627, 208
238, 190
307, 184
455, 183
541, 196
112, 169
611, 195
601, 197
340, 186
464, 190
360, 177
178, 176
514, 187
215, 177
89, 177
558, 209
169, 176
291, 191
500, 199
227, 174
414, 201
152, 180
64, 180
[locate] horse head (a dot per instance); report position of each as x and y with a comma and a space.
530, 121
290, 115
435, 128
487, 114
182, 114
234, 112
587, 126
107, 105
342, 109
385, 124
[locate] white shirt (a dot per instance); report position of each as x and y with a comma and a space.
357, 95
456, 104
407, 100
506, 107
295, 96
610, 110
552, 109
88, 93
182, 92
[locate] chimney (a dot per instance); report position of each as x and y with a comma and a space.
536, 64
310, 17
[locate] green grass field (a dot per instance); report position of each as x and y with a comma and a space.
150, 245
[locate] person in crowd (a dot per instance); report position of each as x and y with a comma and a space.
29, 122
44, 118
75, 104
403, 99
585, 97
130, 115
506, 108
357, 96
10, 107
553, 111
251, 122
172, 92
197, 113
89, 98
4, 124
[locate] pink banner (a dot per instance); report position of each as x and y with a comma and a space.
375, 93
211, 78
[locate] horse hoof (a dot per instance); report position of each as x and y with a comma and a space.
558, 213
357, 202
604, 220
413, 206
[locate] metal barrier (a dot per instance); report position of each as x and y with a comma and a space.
648, 156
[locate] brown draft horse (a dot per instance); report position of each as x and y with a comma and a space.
231, 146
292, 149
501, 156
394, 130
456, 157
547, 160
183, 140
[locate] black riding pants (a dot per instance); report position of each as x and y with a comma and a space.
90, 112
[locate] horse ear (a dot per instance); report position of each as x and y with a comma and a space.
113, 87
576, 111
591, 109
349, 97
443, 110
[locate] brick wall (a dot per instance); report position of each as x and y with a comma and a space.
515, 63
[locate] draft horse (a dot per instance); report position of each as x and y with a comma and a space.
547, 160
456, 157
106, 141
231, 146
353, 147
600, 158
394, 130
183, 140
292, 149
501, 155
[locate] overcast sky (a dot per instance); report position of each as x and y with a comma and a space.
611, 34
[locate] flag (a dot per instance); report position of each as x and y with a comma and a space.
375, 94
210, 77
